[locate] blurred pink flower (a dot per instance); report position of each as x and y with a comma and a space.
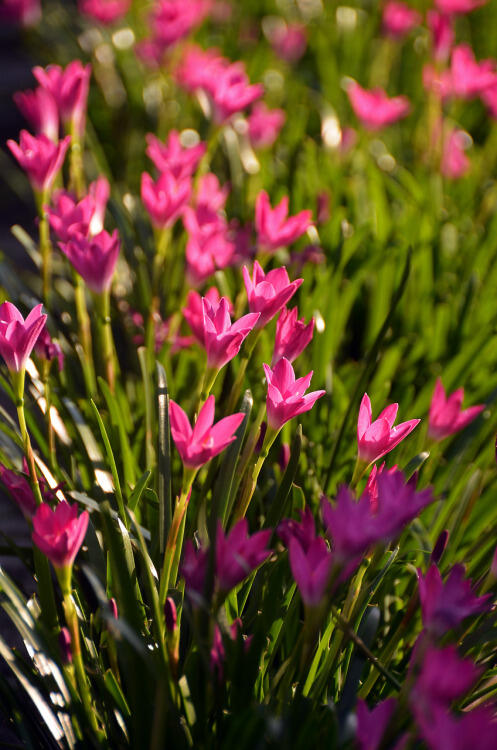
374, 108
292, 335
69, 87
371, 488
48, 349
19, 487
286, 397
198, 68
442, 33
372, 724
399, 18
268, 293
231, 92
458, 6
18, 336
443, 678
375, 439
166, 198
455, 163
223, 339
210, 197
238, 554
24, 12
206, 440
446, 416
469, 78
304, 531
218, 653
40, 110
274, 227
439, 82
40, 158
172, 20
489, 98
69, 217
193, 569
209, 245
289, 41
264, 125
194, 311
172, 157
470, 730
105, 12
94, 258
59, 533
311, 569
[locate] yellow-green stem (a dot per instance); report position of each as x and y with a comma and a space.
175, 536
84, 333
76, 172
105, 336
45, 373
250, 482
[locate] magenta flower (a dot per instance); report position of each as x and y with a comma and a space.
24, 12
40, 110
292, 335
222, 339
445, 605
289, 42
375, 439
206, 440
193, 569
172, 156
209, 245
198, 68
268, 293
372, 724
453, 7
40, 158
69, 217
274, 227
455, 163
94, 258
371, 488
59, 533
469, 78
476, 728
374, 108
166, 198
231, 92
437, 81
311, 569
399, 18
194, 311
446, 416
286, 397
48, 349
210, 197
304, 531
18, 336
69, 87
444, 677
238, 554
172, 20
218, 653
19, 487
264, 125
442, 33
105, 12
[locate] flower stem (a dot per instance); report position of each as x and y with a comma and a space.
250, 482
84, 334
48, 403
105, 337
175, 536
76, 171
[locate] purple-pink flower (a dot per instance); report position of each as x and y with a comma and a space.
446, 416
24, 12
223, 339
289, 41
304, 531
40, 110
469, 730
94, 258
268, 293
198, 445
374, 108
194, 311
166, 198
264, 125
470, 78
375, 439
171, 156
18, 336
69, 87
69, 217
372, 724
19, 487
292, 335
40, 158
274, 227
311, 569
442, 33
453, 7
105, 12
210, 246
48, 349
231, 92
455, 163
443, 678
399, 18
286, 397
238, 554
59, 533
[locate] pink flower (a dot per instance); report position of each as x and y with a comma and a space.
206, 440
372, 724
439, 82
193, 570
69, 87
24, 12
209, 247
311, 569
375, 439
476, 728
286, 396
446, 416
48, 349
94, 258
444, 677
374, 108
452, 7
445, 605
194, 311
18, 336
172, 20
172, 157
232, 92
238, 554
489, 97
289, 41
19, 487
399, 18
166, 198
198, 68
470, 78
371, 488
455, 163
264, 125
274, 227
210, 197
105, 12
222, 339
40, 110
268, 293
69, 217
442, 33
59, 533
218, 653
292, 335
40, 158
304, 532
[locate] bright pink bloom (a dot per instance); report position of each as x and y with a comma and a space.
210, 197
445, 605
194, 311
222, 339
209, 245
289, 41
399, 18
470, 78
59, 533
172, 157
19, 487
69, 87
238, 554
311, 569
286, 397
304, 532
105, 12
374, 108
24, 12
452, 7
446, 416
274, 227
193, 569
444, 677
94, 258
442, 33
232, 92
264, 125
172, 20
268, 293
40, 158
375, 439
489, 97
48, 349
198, 68
470, 730
166, 198
206, 440
455, 163
18, 336
371, 488
292, 335
40, 110
69, 217
372, 724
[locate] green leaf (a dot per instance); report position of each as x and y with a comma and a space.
128, 460
164, 489
112, 463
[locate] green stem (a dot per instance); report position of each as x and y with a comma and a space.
250, 482
175, 536
150, 456
84, 334
45, 247
105, 336
76, 172
250, 344
48, 403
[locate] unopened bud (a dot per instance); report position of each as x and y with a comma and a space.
170, 614
113, 608
439, 547
65, 645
